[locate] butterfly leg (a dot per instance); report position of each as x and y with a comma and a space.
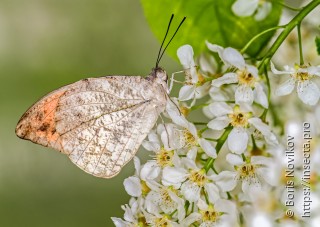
173, 80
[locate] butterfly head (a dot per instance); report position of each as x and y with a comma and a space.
160, 76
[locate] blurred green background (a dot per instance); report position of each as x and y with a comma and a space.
45, 44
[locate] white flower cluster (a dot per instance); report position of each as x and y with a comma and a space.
224, 171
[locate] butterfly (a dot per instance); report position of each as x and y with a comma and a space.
99, 123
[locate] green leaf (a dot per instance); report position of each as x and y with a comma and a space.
318, 44
210, 20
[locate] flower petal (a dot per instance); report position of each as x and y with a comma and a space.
118, 222
264, 129
185, 55
202, 90
263, 11
207, 64
152, 201
226, 180
271, 139
180, 205
173, 176
228, 78
128, 215
285, 88
238, 140
314, 70
258, 124
208, 148
192, 153
171, 137
234, 159
260, 96
219, 123
153, 137
249, 185
262, 219
150, 170
244, 94
217, 94
288, 70
219, 109
191, 191
202, 204
187, 92
132, 186
215, 48
233, 57
308, 92
213, 192
175, 115
244, 8
137, 165
190, 219
226, 206
150, 146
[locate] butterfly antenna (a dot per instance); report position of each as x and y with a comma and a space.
157, 62
159, 58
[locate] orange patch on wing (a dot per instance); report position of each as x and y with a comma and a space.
38, 123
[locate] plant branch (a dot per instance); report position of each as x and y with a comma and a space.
219, 145
288, 28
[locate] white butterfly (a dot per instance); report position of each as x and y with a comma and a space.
99, 122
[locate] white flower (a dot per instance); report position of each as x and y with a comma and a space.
250, 174
165, 198
159, 220
241, 119
190, 181
164, 148
245, 8
189, 134
131, 218
137, 185
164, 137
219, 212
246, 76
195, 86
307, 90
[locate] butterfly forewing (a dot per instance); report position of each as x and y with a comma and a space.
98, 122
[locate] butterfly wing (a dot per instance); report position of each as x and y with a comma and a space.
98, 122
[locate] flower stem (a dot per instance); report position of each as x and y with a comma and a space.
257, 36
200, 123
264, 114
288, 28
219, 145
300, 44
210, 139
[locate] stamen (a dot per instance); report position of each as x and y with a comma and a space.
246, 78
198, 177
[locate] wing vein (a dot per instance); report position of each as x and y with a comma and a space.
127, 142
118, 156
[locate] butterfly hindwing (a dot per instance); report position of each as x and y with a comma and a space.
98, 122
